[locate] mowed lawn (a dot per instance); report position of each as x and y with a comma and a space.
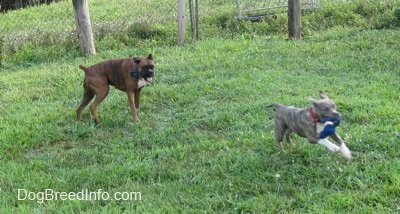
205, 142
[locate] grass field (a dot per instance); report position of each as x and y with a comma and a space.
205, 142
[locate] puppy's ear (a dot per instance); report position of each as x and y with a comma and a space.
137, 61
150, 57
322, 95
313, 101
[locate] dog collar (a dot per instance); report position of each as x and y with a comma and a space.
135, 73
313, 115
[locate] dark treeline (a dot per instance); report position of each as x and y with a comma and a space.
6, 5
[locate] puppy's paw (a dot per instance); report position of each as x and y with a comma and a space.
345, 151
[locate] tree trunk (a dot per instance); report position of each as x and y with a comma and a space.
84, 27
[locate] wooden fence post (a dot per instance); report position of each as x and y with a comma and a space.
294, 19
181, 22
194, 18
84, 27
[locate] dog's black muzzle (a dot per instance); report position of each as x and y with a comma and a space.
148, 75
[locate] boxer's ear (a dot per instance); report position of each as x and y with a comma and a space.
137, 61
150, 57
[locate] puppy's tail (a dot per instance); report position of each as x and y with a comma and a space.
84, 68
275, 105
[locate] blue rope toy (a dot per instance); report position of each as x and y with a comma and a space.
329, 129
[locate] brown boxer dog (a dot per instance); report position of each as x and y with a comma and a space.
129, 75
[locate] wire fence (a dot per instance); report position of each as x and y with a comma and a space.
255, 10
54, 24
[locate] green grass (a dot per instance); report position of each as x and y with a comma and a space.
205, 141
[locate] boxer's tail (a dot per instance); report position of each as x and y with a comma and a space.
84, 68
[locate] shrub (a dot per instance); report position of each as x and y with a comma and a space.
396, 19
144, 31
1, 50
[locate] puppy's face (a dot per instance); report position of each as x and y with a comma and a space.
325, 107
146, 67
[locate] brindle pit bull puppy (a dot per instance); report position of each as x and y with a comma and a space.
129, 75
303, 122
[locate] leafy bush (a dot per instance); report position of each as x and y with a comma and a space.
144, 31
358, 14
6, 5
396, 20
1, 49
136, 34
